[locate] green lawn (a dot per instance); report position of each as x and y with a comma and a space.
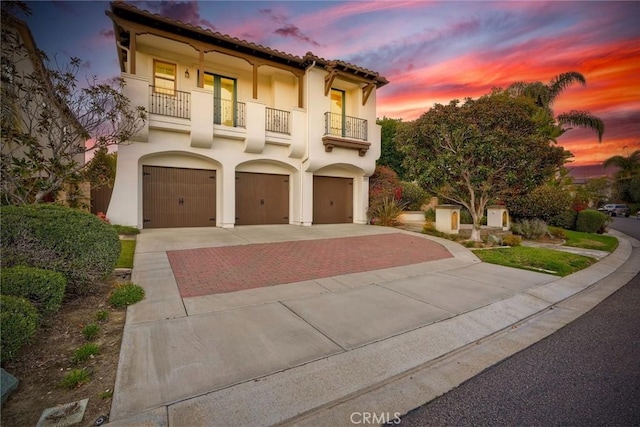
590, 241
536, 259
126, 254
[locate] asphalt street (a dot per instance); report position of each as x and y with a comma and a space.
586, 374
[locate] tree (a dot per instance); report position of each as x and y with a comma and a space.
390, 155
101, 170
47, 117
492, 148
544, 96
627, 177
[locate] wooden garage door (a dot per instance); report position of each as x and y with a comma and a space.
262, 198
332, 200
176, 197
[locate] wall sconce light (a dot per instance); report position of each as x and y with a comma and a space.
186, 73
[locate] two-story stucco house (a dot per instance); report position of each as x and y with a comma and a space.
239, 133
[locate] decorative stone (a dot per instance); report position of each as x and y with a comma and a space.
8, 383
448, 219
63, 415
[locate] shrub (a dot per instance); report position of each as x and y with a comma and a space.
590, 221
85, 352
126, 230
45, 289
557, 232
413, 196
511, 240
90, 331
544, 202
18, 322
430, 215
387, 212
530, 228
75, 378
566, 219
125, 295
74, 243
383, 184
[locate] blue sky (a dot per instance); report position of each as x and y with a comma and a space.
430, 51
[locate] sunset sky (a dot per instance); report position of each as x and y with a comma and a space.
430, 51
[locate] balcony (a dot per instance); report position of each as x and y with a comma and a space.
229, 113
346, 132
277, 121
169, 102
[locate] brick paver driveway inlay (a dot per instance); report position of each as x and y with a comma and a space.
232, 268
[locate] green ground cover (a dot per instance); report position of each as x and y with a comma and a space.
536, 259
126, 254
600, 242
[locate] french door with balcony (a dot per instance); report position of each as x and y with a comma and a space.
337, 116
225, 109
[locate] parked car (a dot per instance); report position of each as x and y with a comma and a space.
638, 215
615, 209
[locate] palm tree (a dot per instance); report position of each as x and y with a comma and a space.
545, 94
629, 165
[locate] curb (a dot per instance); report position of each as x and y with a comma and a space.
392, 376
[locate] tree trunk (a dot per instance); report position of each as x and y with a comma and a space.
475, 233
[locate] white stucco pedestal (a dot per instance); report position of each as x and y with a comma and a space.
448, 219
498, 216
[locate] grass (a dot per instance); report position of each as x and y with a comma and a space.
600, 242
85, 352
75, 378
90, 331
102, 315
125, 295
536, 259
126, 254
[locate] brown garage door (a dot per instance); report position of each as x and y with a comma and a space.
332, 200
176, 197
262, 198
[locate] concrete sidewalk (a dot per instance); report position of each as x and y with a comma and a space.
317, 351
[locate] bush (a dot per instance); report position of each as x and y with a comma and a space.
18, 322
430, 215
413, 196
387, 212
126, 230
45, 289
544, 202
125, 295
590, 221
511, 240
530, 228
566, 219
383, 184
74, 243
557, 232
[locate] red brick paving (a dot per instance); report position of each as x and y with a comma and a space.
232, 268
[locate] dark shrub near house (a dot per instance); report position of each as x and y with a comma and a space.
413, 196
44, 288
74, 243
18, 322
590, 221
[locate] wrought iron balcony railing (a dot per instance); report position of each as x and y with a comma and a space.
277, 121
229, 113
345, 126
169, 102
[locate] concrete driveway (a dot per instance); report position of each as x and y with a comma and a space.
271, 353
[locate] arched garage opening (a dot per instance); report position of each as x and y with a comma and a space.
334, 191
178, 190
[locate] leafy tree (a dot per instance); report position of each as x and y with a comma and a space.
390, 155
47, 117
495, 147
627, 177
544, 96
101, 170
384, 186
595, 192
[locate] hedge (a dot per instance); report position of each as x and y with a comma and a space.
44, 288
18, 322
77, 244
590, 221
